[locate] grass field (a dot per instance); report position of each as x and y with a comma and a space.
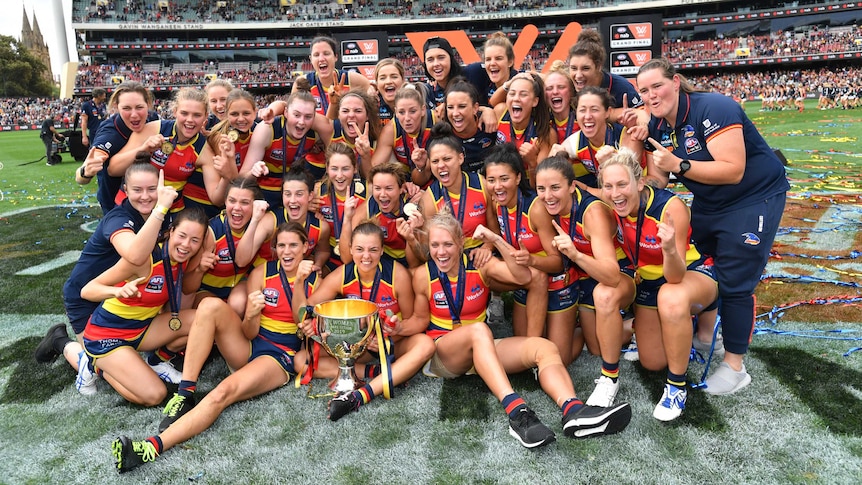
799, 422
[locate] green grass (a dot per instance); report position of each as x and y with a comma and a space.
799, 422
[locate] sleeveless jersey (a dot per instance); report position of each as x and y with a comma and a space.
394, 246
180, 164
195, 188
474, 306
328, 213
276, 319
384, 293
225, 274
320, 93
474, 208
282, 144
517, 221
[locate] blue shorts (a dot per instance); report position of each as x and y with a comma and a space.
102, 343
262, 347
78, 311
558, 300
585, 297
647, 290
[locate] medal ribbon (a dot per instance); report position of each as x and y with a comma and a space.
231, 247
174, 288
300, 149
529, 131
513, 239
455, 301
324, 98
462, 202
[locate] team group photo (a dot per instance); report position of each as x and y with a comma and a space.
431, 242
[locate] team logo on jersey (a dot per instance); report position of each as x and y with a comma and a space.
476, 291
501, 137
155, 284
224, 255
440, 300
707, 123
277, 154
159, 158
485, 142
130, 224
692, 145
688, 131
326, 212
270, 296
750, 238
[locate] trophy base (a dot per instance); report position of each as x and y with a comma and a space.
346, 381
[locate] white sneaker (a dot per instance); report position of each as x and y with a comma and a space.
703, 347
496, 310
725, 380
671, 404
167, 372
85, 381
605, 392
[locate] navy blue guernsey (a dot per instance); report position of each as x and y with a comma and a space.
99, 254
701, 117
617, 86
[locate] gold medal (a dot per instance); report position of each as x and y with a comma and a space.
337, 250
233, 135
358, 187
167, 148
638, 277
174, 323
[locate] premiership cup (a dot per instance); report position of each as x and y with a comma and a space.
344, 330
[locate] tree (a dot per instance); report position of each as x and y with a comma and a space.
20, 72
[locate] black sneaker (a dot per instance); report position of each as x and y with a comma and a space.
45, 351
175, 409
343, 405
529, 431
129, 454
593, 420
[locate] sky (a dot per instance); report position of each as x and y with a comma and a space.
10, 24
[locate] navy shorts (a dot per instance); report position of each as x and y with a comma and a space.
262, 347
647, 290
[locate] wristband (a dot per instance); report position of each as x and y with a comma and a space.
161, 209
81, 173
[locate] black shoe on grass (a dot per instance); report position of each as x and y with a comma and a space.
597, 421
129, 454
46, 351
529, 431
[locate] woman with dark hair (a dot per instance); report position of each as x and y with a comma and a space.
739, 188
340, 183
440, 66
586, 60
259, 348
463, 114
357, 126
326, 78
130, 319
526, 225
525, 121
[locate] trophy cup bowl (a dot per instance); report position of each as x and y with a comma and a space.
344, 329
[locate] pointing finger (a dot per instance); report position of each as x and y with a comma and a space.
655, 144
559, 229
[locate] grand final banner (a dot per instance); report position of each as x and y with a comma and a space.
630, 42
361, 51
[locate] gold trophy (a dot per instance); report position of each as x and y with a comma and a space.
344, 329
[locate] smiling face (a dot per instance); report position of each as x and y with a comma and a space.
438, 63
620, 190
186, 240
300, 116
584, 72
133, 110
503, 183
238, 208
558, 94
386, 191
444, 249
142, 191
366, 250
461, 111
660, 94
290, 249
497, 65
340, 170
520, 101
593, 117
410, 114
555, 191
389, 79
190, 115
323, 61
446, 165
296, 196
217, 99
240, 115
353, 116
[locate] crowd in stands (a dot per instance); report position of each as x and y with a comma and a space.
815, 41
32, 111
209, 11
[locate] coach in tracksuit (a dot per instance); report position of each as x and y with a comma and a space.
739, 189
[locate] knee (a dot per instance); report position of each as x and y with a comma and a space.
425, 347
605, 298
672, 304
538, 280
152, 396
541, 352
210, 307
223, 394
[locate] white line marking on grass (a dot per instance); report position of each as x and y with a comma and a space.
854, 391
65, 258
832, 238
28, 209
